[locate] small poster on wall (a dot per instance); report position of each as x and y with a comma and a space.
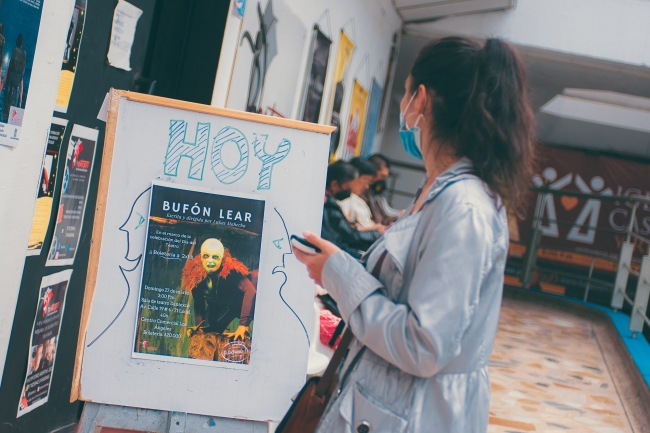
19, 23
316, 72
44, 196
346, 47
70, 56
43, 342
372, 118
356, 122
74, 192
199, 278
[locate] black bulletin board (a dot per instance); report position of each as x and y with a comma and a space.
94, 77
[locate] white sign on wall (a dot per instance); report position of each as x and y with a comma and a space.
213, 154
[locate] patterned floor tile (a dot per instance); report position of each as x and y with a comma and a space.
548, 375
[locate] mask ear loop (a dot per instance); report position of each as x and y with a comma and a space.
421, 115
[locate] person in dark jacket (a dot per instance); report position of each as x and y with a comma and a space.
336, 227
382, 212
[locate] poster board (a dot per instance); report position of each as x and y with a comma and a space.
283, 162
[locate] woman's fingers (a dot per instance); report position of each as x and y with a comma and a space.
302, 257
326, 247
313, 239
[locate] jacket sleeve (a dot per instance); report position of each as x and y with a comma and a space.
199, 304
350, 235
424, 335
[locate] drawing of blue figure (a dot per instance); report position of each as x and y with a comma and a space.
135, 229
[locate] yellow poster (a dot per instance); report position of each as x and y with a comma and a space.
70, 56
343, 56
45, 194
356, 120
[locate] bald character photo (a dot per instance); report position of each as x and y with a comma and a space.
221, 290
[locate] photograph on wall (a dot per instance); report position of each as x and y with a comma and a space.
356, 121
70, 56
264, 48
45, 193
372, 119
343, 57
80, 157
43, 342
19, 23
388, 81
312, 97
199, 277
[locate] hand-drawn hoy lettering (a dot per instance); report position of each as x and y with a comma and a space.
268, 161
196, 151
178, 148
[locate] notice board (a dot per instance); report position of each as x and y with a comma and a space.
204, 200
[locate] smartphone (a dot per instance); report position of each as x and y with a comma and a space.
304, 246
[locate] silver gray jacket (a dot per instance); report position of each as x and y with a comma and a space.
429, 322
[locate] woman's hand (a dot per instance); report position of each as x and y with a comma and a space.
316, 262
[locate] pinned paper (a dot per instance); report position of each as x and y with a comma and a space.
125, 20
103, 110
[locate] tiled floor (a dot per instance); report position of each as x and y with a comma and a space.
548, 375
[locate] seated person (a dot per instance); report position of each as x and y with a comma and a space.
354, 207
381, 211
336, 227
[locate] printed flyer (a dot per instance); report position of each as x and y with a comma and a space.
199, 277
44, 196
70, 56
74, 192
43, 344
19, 23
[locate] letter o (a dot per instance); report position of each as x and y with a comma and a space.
224, 174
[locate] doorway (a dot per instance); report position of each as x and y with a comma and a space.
184, 48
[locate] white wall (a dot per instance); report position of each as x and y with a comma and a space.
375, 22
615, 30
20, 167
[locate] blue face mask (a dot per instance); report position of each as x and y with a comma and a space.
410, 136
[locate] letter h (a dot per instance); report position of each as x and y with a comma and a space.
179, 148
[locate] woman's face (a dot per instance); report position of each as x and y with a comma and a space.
361, 184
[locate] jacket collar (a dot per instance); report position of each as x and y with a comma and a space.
462, 169
331, 202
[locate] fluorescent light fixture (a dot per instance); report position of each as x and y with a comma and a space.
427, 10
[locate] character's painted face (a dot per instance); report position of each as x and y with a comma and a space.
211, 255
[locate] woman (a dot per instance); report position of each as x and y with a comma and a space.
424, 329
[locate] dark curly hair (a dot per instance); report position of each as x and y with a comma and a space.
481, 109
